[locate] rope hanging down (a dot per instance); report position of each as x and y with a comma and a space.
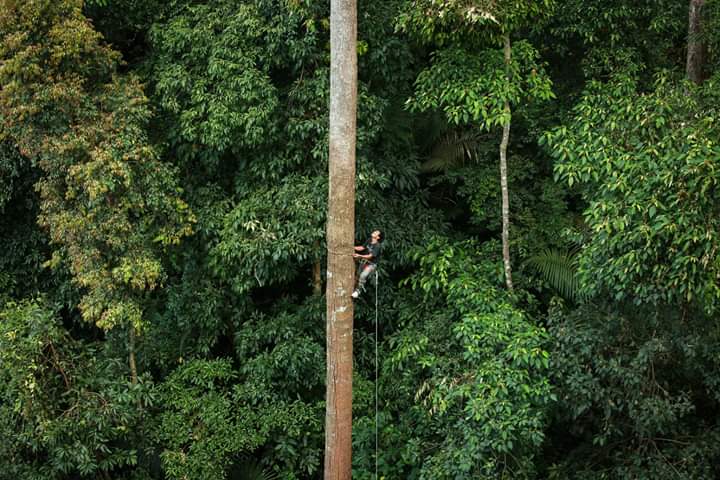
376, 374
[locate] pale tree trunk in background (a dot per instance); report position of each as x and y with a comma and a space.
696, 49
340, 239
503, 178
317, 276
131, 355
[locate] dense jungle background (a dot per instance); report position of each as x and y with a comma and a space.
163, 189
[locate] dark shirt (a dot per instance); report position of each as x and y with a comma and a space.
374, 249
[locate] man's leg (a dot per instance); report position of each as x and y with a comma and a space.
367, 270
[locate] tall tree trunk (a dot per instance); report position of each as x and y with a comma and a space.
503, 177
131, 355
697, 47
317, 277
340, 239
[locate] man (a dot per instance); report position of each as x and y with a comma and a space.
369, 254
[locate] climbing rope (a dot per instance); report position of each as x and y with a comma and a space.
376, 374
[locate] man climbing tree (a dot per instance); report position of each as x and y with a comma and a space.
369, 254
340, 239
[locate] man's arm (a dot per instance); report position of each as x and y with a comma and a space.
359, 249
366, 257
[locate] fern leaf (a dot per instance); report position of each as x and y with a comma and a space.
251, 469
559, 268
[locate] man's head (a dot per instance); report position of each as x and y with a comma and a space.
377, 235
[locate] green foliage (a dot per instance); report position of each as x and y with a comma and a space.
559, 268
472, 87
452, 21
196, 313
469, 375
271, 232
636, 388
125, 23
283, 356
11, 168
268, 405
453, 149
540, 216
232, 341
606, 36
647, 163
65, 409
712, 38
107, 201
211, 74
251, 470
25, 246
210, 417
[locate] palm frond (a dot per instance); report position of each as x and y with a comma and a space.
559, 268
453, 149
251, 469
